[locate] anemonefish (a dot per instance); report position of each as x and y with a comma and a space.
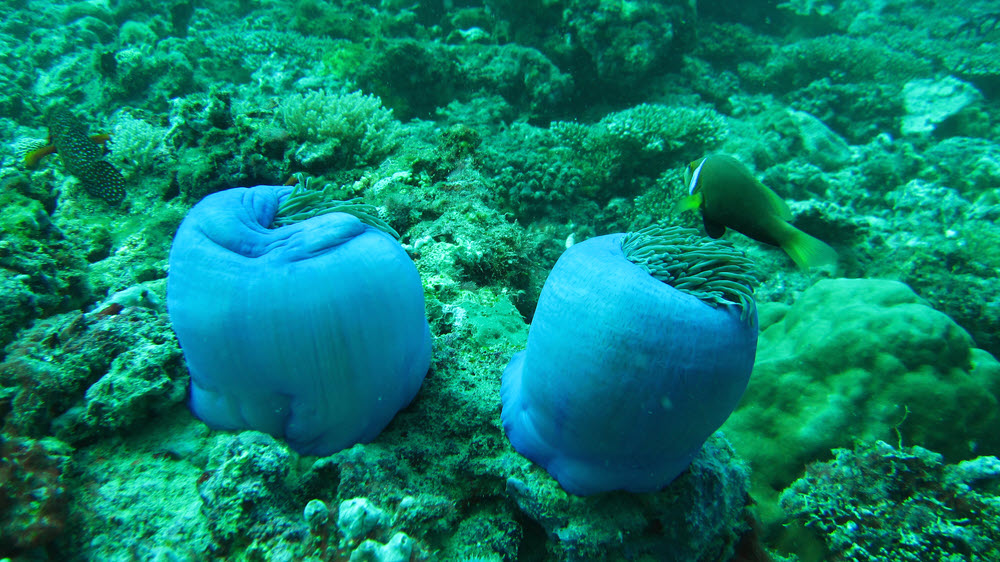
729, 196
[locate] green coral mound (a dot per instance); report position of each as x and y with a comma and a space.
305, 202
861, 359
712, 270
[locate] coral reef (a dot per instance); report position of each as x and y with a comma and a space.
533, 181
928, 103
492, 136
338, 130
883, 362
83, 376
34, 496
700, 516
42, 272
879, 502
136, 498
623, 47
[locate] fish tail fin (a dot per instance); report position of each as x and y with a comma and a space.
807, 251
31, 159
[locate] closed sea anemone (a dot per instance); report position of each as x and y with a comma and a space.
641, 346
298, 316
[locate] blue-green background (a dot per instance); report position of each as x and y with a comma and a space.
492, 135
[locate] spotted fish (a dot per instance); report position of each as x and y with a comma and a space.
81, 156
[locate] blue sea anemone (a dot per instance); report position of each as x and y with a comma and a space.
641, 346
313, 331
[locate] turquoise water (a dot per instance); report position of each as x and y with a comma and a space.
483, 141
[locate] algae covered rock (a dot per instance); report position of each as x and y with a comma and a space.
34, 494
85, 376
868, 359
699, 516
929, 102
877, 502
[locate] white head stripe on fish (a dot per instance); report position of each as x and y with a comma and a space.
694, 176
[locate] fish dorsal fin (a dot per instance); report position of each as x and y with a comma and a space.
775, 202
735, 173
778, 204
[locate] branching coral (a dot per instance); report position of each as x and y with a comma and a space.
137, 146
658, 129
346, 130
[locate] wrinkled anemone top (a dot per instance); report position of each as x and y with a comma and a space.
711, 270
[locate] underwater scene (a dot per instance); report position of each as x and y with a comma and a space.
500, 280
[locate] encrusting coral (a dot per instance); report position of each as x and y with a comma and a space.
894, 504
